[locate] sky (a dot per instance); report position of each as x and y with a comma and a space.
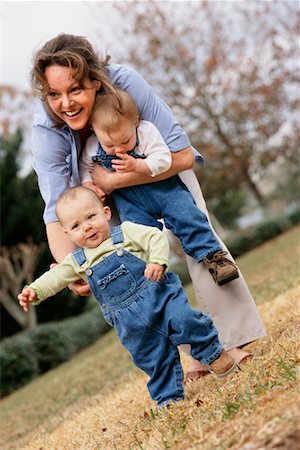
26, 25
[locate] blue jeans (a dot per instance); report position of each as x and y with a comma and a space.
169, 200
151, 319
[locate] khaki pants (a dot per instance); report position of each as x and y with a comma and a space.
231, 306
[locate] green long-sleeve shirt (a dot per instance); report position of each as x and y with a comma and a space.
147, 243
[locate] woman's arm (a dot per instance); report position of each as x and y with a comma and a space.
109, 181
59, 243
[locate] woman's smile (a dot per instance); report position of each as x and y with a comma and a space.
71, 100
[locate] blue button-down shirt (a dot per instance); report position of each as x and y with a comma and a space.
56, 150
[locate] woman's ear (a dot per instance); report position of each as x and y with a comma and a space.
97, 84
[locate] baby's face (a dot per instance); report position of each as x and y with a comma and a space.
120, 140
85, 220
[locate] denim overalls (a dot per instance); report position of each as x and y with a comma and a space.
150, 318
169, 199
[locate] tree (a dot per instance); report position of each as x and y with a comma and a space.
23, 253
17, 265
21, 204
229, 72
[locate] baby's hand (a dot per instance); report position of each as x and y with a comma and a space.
126, 163
154, 271
27, 296
96, 189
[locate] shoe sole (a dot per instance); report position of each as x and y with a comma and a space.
228, 279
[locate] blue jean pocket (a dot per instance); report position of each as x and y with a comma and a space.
118, 285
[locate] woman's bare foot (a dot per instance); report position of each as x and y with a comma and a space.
195, 370
240, 356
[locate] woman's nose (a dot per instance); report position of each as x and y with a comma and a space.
66, 101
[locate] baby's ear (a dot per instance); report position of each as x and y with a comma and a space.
107, 212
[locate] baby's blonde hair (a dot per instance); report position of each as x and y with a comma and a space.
110, 109
71, 194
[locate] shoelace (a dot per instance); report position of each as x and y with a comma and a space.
220, 259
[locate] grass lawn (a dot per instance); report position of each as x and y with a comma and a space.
98, 400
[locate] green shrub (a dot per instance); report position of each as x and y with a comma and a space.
52, 346
18, 363
86, 328
30, 353
294, 216
256, 235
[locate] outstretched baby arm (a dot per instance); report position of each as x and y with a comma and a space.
27, 296
50, 283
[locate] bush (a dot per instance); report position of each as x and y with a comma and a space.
27, 354
254, 236
52, 346
18, 363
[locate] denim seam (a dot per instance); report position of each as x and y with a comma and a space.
199, 256
215, 355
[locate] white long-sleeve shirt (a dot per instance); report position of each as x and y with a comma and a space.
151, 145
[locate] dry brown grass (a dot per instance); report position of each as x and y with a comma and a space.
256, 408
99, 401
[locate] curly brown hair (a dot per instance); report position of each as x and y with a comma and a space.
71, 51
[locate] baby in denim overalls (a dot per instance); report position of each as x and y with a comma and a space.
148, 308
124, 143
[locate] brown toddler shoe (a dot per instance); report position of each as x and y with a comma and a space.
223, 365
221, 269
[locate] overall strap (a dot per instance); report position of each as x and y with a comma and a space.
116, 235
79, 256
101, 157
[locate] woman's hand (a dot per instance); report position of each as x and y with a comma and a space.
96, 189
109, 181
80, 288
103, 178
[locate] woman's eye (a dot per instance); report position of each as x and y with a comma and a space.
53, 94
76, 90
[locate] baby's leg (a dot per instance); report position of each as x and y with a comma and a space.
151, 349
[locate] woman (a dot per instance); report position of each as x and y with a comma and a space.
68, 73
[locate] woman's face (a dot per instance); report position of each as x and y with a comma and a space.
67, 99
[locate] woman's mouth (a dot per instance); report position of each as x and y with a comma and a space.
72, 114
